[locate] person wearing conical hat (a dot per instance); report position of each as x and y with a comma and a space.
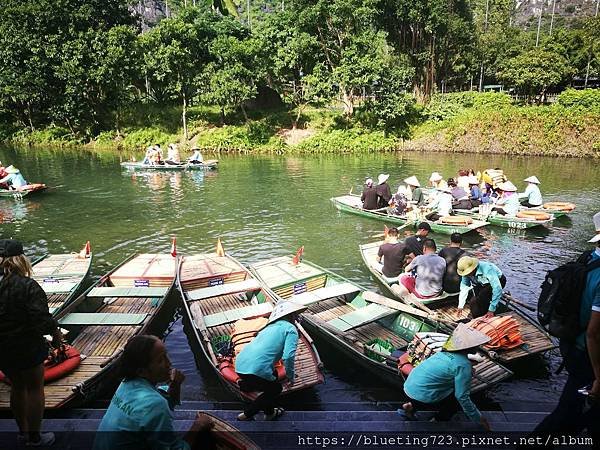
508, 203
440, 204
196, 157
436, 180
481, 284
444, 379
369, 195
532, 197
384, 193
14, 179
475, 194
254, 364
414, 187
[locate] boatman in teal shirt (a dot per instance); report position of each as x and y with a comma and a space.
277, 341
486, 282
444, 379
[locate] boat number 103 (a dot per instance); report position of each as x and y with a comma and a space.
408, 324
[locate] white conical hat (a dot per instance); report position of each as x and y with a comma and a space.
532, 179
412, 181
507, 186
435, 176
382, 178
285, 308
464, 337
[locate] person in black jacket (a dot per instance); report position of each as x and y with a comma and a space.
24, 320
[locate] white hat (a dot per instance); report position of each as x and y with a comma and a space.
369, 182
532, 179
285, 308
473, 180
382, 178
507, 186
412, 181
464, 337
435, 176
597, 225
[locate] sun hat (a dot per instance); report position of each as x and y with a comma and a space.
435, 176
382, 178
597, 225
369, 182
466, 265
473, 180
11, 169
507, 186
532, 179
412, 181
464, 337
285, 308
10, 247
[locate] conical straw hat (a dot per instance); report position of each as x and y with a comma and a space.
464, 337
285, 308
507, 186
532, 179
412, 181
382, 178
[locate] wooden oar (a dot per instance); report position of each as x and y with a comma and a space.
509, 298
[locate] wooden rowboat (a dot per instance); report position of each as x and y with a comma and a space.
353, 319
123, 303
206, 165
445, 307
352, 204
216, 292
61, 277
25, 191
512, 222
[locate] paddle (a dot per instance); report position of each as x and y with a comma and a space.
509, 298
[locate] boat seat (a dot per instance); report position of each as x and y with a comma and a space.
58, 288
128, 292
102, 319
361, 316
336, 290
250, 284
220, 318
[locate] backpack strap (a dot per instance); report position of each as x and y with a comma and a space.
593, 265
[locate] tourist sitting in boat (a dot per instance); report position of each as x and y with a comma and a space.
25, 319
508, 203
462, 180
416, 193
148, 155
254, 364
139, 414
196, 157
157, 156
398, 202
415, 243
13, 179
481, 285
436, 181
475, 193
460, 196
173, 157
384, 193
424, 275
441, 204
369, 197
443, 381
393, 254
452, 254
532, 193
2, 175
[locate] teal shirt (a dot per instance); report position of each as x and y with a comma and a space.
439, 376
590, 301
511, 204
138, 416
487, 273
276, 341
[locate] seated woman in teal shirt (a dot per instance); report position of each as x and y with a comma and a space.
139, 415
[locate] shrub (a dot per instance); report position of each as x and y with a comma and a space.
588, 99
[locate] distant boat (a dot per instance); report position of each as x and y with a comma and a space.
24, 191
209, 164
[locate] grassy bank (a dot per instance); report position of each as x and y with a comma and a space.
464, 122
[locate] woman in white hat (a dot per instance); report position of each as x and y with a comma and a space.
475, 194
508, 203
444, 379
440, 204
14, 179
532, 194
384, 193
196, 157
254, 364
414, 187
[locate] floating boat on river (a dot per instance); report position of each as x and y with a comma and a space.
24, 191
523, 219
445, 307
124, 303
61, 277
358, 322
352, 204
209, 164
558, 209
217, 291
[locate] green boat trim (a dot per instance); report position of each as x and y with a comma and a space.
206, 165
357, 322
351, 204
445, 306
515, 223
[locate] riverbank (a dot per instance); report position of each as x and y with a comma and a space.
459, 123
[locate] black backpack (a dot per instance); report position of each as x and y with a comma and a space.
559, 304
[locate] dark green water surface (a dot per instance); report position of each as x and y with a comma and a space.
266, 206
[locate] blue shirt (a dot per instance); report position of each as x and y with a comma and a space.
511, 204
590, 301
276, 341
138, 416
439, 376
532, 194
487, 273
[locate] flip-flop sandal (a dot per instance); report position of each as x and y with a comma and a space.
277, 413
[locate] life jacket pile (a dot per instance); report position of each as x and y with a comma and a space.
504, 331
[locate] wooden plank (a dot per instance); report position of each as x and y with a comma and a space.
361, 316
336, 290
128, 292
249, 284
236, 314
105, 319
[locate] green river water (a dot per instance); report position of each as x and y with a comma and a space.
266, 206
